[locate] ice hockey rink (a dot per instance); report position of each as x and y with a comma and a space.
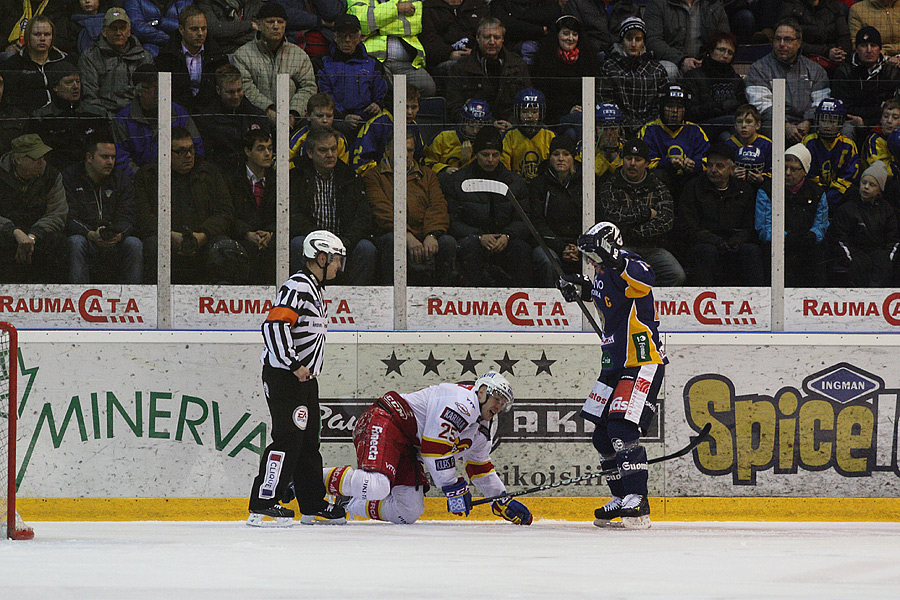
441, 559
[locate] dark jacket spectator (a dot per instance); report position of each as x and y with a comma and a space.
137, 135
12, 119
154, 22
230, 21
474, 213
353, 210
525, 20
628, 205
65, 123
716, 88
32, 214
824, 27
222, 127
449, 27
495, 80
307, 22
26, 80
106, 73
866, 80
76, 30
354, 81
86, 214
557, 70
599, 27
171, 59
670, 35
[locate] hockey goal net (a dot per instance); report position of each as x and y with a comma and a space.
13, 526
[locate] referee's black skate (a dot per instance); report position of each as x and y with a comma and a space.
333, 514
273, 516
635, 512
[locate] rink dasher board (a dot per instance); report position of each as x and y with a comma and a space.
202, 418
443, 309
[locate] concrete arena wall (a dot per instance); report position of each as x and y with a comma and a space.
169, 425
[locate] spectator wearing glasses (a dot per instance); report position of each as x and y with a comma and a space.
716, 88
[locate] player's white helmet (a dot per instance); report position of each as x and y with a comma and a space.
590, 239
496, 385
324, 241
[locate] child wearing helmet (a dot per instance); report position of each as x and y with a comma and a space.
451, 149
608, 153
442, 426
527, 144
623, 402
835, 159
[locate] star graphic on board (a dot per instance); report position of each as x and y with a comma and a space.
543, 364
468, 364
431, 364
393, 364
506, 364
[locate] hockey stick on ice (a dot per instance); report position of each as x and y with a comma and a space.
498, 187
695, 441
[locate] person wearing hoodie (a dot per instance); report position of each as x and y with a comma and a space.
106, 68
67, 121
26, 81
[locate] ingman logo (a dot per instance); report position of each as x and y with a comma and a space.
843, 383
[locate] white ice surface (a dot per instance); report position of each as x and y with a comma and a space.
459, 560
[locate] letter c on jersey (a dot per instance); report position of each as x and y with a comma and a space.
301, 416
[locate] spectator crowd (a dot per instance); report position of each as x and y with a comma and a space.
683, 154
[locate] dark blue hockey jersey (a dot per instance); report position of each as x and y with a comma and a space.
761, 142
627, 313
835, 164
687, 140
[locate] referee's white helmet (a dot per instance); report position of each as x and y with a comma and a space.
325, 242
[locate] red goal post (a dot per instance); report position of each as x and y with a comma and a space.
12, 527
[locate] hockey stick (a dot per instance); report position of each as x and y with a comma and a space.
695, 441
498, 187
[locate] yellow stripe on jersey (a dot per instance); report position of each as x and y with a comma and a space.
638, 330
635, 289
435, 448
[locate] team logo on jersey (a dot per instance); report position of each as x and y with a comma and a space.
273, 473
454, 418
463, 409
301, 417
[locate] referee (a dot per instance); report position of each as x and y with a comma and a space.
294, 337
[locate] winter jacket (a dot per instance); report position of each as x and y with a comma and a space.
137, 136
154, 22
37, 206
12, 124
525, 19
883, 15
806, 85
64, 126
109, 203
716, 91
223, 129
824, 26
863, 89
260, 68
310, 14
447, 28
247, 215
230, 21
557, 207
634, 85
380, 20
865, 226
200, 200
25, 81
426, 209
708, 215
628, 205
471, 78
597, 26
669, 25
171, 59
807, 210
561, 82
475, 213
106, 74
354, 81
352, 206
88, 29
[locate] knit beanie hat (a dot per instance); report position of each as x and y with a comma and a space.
878, 172
488, 138
801, 153
562, 142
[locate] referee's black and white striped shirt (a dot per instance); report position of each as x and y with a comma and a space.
294, 331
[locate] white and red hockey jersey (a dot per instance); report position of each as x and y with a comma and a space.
449, 426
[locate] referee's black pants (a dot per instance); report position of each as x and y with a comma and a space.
294, 450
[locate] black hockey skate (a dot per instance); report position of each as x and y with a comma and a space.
604, 515
333, 514
273, 516
635, 512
